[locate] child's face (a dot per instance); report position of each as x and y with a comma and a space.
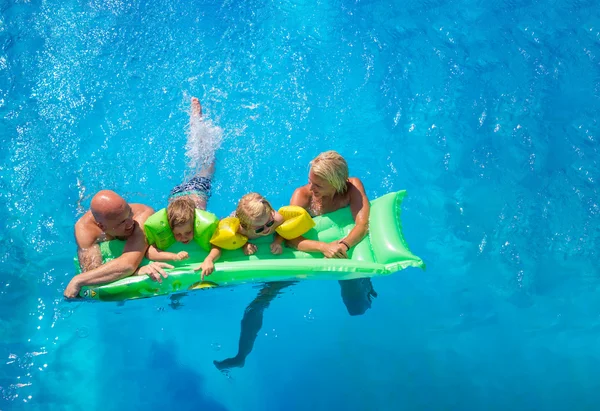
264, 225
184, 233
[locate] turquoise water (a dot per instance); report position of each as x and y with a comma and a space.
486, 112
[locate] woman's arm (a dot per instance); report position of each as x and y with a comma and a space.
301, 198
359, 204
308, 246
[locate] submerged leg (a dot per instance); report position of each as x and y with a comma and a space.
357, 295
195, 118
252, 323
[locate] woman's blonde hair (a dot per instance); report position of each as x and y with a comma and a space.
180, 211
332, 167
251, 207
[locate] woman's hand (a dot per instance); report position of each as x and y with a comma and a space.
334, 250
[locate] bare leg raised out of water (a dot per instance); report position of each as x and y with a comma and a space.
196, 116
252, 323
203, 139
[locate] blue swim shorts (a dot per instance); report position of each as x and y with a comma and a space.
196, 185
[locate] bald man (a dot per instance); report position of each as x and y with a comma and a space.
110, 217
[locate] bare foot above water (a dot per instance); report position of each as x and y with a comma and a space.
196, 107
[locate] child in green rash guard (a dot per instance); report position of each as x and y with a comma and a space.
192, 195
180, 215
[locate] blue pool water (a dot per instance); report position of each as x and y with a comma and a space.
485, 111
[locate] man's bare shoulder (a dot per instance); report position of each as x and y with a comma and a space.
87, 232
86, 222
141, 212
138, 208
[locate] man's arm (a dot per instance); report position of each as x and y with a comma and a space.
88, 251
89, 258
120, 267
123, 266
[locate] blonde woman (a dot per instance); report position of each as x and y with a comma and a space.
330, 188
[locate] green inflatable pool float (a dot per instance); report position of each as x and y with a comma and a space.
383, 251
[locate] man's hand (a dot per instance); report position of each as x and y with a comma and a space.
154, 270
276, 248
334, 250
72, 290
182, 255
249, 248
207, 267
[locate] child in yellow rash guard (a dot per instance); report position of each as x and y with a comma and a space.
258, 218
180, 215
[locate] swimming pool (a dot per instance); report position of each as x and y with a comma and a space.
484, 111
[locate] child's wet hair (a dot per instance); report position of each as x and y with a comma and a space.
250, 208
180, 211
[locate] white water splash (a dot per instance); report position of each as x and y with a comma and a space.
203, 140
